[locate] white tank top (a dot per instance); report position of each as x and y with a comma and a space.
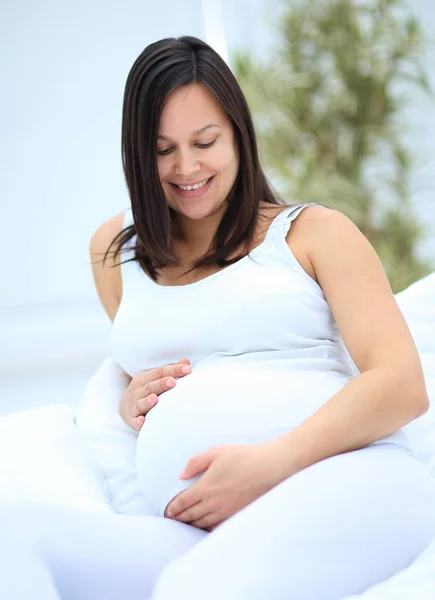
265, 349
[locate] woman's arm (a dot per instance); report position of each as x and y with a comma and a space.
390, 390
108, 284
146, 386
107, 278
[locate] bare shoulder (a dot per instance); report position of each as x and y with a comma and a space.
105, 233
322, 228
107, 276
307, 229
315, 215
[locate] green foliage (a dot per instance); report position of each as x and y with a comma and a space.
328, 108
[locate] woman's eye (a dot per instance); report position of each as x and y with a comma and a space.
206, 145
169, 150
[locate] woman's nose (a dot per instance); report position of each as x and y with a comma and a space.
186, 164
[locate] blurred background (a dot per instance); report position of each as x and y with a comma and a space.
342, 97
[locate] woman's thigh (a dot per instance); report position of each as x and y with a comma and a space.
51, 553
329, 531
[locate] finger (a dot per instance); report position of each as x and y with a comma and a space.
198, 464
156, 387
144, 405
193, 513
210, 529
209, 521
180, 369
138, 422
183, 501
164, 383
143, 395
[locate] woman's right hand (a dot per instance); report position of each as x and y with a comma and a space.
143, 390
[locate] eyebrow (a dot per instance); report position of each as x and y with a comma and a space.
197, 132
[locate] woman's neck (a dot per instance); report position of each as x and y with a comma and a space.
194, 237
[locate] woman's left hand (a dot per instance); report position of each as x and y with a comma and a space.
234, 476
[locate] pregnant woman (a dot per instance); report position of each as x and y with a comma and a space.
271, 375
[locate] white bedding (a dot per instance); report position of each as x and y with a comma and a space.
417, 582
46, 458
86, 459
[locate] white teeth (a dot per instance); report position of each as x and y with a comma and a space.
193, 187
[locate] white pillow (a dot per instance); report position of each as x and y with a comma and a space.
44, 458
417, 304
113, 442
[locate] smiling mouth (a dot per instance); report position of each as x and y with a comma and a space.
194, 186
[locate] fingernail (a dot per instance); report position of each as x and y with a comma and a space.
186, 369
170, 382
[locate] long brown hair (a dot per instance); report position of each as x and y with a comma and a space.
160, 69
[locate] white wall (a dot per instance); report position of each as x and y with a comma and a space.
64, 66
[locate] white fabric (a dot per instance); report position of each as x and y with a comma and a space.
258, 333
111, 440
373, 516
417, 304
45, 458
53, 553
416, 582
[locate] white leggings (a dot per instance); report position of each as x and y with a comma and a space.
330, 531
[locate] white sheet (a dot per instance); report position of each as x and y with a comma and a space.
417, 304
45, 458
417, 582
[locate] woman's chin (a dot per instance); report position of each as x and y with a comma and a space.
196, 210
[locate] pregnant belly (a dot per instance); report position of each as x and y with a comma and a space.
216, 407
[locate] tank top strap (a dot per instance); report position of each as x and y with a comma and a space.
280, 225
128, 218
129, 248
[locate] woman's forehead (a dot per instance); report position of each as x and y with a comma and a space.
191, 110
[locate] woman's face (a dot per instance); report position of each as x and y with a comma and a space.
196, 147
